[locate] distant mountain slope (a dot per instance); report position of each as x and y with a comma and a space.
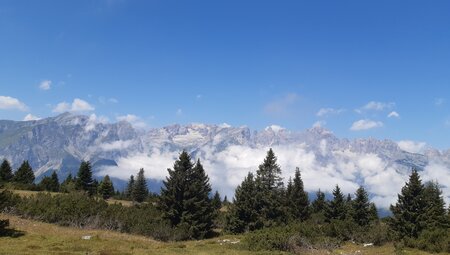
228, 153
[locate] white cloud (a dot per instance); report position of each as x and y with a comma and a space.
116, 145
11, 103
375, 106
439, 101
45, 84
134, 120
275, 128
319, 123
179, 112
281, 105
328, 111
438, 172
411, 146
29, 117
365, 125
94, 120
393, 114
78, 105
113, 100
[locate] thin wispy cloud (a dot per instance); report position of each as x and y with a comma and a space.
439, 101
393, 114
30, 117
281, 106
328, 111
11, 103
78, 105
375, 106
179, 112
134, 120
412, 146
365, 124
45, 85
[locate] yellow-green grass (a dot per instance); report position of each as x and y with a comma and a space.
28, 193
33, 237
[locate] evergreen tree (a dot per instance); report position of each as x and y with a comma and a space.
436, 215
106, 188
269, 191
68, 184
50, 183
361, 207
373, 212
409, 212
336, 208
298, 202
199, 212
319, 204
24, 174
140, 190
242, 215
6, 173
225, 201
216, 201
184, 198
349, 207
129, 188
84, 179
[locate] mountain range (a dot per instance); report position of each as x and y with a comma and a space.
60, 143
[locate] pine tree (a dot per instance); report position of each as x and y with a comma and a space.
140, 190
129, 188
106, 188
242, 215
269, 191
361, 207
68, 184
199, 212
50, 183
184, 197
6, 173
24, 174
436, 215
298, 202
408, 214
225, 201
336, 208
84, 179
319, 204
216, 201
373, 213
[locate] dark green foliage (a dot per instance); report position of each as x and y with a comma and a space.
319, 204
269, 195
297, 198
106, 188
225, 201
216, 201
361, 207
436, 214
129, 188
140, 190
242, 214
185, 200
84, 181
373, 212
336, 208
24, 175
6, 173
68, 185
50, 183
409, 211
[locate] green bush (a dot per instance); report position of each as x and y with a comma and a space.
435, 240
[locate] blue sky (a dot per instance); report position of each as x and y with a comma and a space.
253, 63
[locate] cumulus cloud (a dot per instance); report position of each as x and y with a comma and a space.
393, 114
412, 146
30, 117
45, 84
365, 124
275, 128
116, 145
134, 120
328, 111
281, 105
375, 106
78, 105
94, 120
11, 103
438, 172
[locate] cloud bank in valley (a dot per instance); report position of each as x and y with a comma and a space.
228, 167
